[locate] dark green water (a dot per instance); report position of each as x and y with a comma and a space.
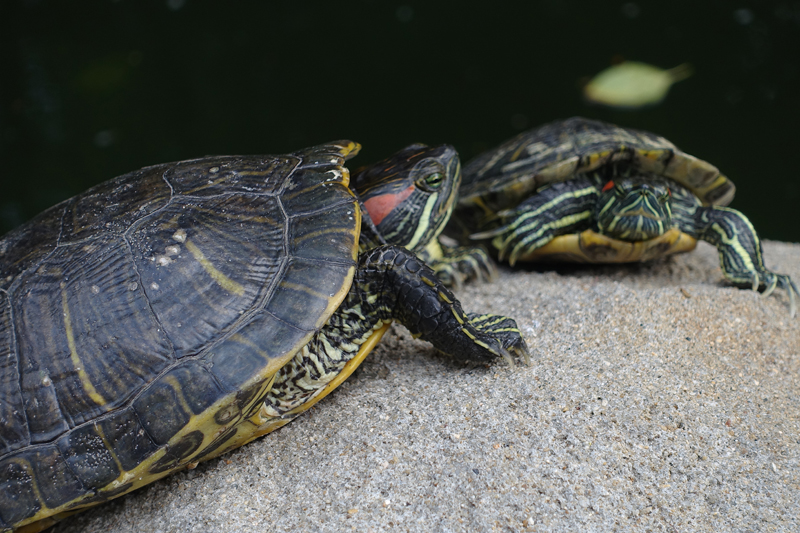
90, 92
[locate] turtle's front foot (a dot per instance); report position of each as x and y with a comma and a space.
504, 332
782, 281
455, 265
411, 293
740, 252
766, 282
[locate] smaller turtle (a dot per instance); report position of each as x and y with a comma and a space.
587, 191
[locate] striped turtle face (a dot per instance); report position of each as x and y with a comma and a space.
634, 209
410, 195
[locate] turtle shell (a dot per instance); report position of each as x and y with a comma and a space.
143, 319
559, 150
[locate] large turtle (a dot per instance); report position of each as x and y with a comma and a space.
174, 313
588, 191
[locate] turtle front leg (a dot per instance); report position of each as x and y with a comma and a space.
559, 209
409, 292
740, 252
455, 265
390, 284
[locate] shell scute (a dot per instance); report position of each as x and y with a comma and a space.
114, 206
224, 175
125, 435
65, 311
199, 286
88, 458
18, 499
15, 432
260, 346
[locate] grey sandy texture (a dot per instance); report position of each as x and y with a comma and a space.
657, 399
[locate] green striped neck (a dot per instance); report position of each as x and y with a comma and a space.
634, 208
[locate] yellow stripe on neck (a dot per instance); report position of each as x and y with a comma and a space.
424, 221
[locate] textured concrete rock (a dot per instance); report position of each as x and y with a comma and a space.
658, 399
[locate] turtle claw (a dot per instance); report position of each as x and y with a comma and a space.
518, 250
474, 263
508, 341
770, 287
788, 284
522, 352
489, 234
772, 281
505, 354
448, 275
455, 265
503, 244
766, 282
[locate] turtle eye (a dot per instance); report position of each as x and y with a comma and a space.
666, 197
431, 182
608, 186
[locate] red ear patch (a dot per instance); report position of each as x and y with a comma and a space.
608, 186
380, 206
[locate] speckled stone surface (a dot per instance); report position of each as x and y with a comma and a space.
658, 399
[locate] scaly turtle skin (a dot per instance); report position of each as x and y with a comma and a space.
587, 191
174, 313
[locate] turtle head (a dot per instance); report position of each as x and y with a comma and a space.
634, 208
409, 196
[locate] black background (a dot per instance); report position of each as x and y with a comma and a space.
93, 89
